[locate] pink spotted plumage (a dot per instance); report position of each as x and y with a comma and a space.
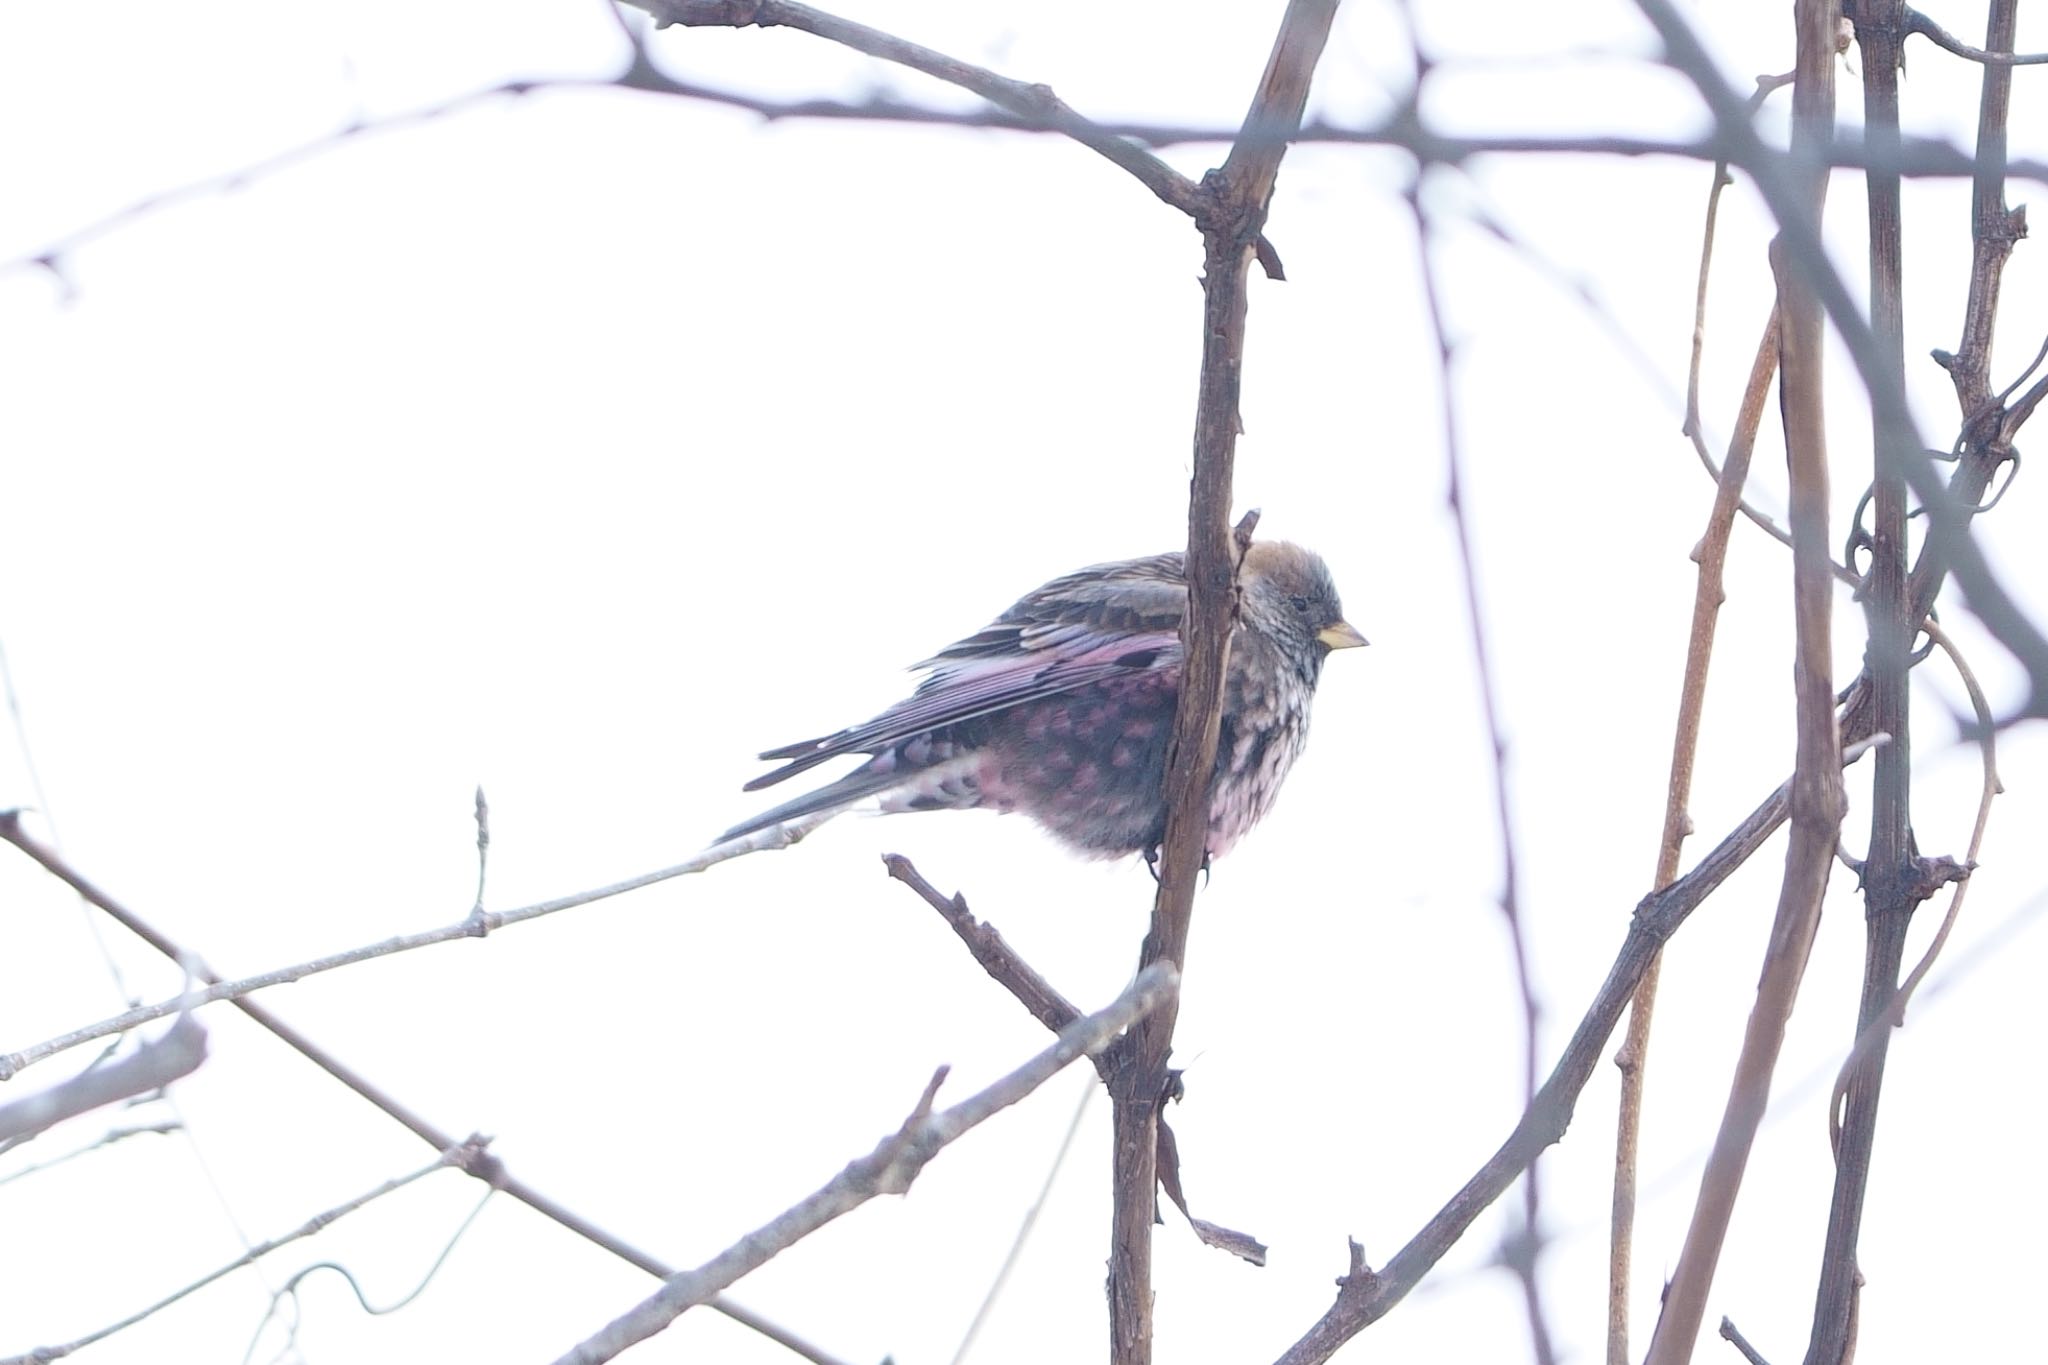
1062, 707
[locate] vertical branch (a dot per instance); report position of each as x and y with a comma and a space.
1816, 803
1233, 212
1888, 877
1708, 594
1993, 230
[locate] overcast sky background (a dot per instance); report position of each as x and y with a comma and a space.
584, 444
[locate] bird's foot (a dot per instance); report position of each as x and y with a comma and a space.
1151, 856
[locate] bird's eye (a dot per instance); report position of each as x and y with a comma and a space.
1299, 603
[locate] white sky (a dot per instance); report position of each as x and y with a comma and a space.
583, 445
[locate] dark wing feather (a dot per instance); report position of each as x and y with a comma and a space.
1099, 623
1130, 597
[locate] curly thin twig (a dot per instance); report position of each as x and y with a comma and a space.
1894, 1013
460, 1155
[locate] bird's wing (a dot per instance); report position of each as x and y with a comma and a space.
1100, 623
1130, 597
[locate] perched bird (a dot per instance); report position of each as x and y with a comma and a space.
1062, 708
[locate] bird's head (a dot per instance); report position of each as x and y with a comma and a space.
1289, 597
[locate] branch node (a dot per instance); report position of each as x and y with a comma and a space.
1360, 1278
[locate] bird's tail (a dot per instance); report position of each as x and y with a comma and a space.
829, 800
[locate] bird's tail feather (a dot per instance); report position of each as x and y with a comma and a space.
835, 797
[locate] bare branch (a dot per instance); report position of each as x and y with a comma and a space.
485, 1167
1030, 1221
1817, 801
1036, 103
462, 1155
1240, 191
1921, 157
1052, 1009
1365, 1296
475, 925
1916, 22
1711, 555
995, 955
1780, 179
152, 1066
106, 1139
895, 1162
1734, 1337
1931, 873
1525, 1245
1887, 874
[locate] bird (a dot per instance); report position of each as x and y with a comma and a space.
1062, 708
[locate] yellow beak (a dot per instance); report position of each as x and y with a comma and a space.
1342, 635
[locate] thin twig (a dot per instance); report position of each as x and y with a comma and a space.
1052, 1009
992, 951
1024, 1228
1711, 555
1365, 1296
462, 1155
895, 1162
1694, 427
106, 1139
476, 924
1781, 180
1923, 157
1893, 1013
1916, 22
1734, 1338
289, 1290
1022, 98
487, 1167
1526, 1244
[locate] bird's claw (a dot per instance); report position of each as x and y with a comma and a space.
1152, 864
